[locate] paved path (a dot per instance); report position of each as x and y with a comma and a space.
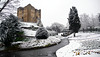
44, 52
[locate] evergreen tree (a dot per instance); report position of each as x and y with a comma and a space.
10, 30
74, 21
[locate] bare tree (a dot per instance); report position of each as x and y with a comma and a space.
89, 21
5, 4
98, 17
57, 27
9, 6
93, 20
85, 21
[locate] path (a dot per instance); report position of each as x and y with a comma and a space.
44, 52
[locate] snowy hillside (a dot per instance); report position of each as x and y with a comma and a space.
83, 45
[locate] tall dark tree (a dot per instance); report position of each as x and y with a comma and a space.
74, 21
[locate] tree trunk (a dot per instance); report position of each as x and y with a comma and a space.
74, 34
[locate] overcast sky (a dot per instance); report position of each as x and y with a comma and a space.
58, 10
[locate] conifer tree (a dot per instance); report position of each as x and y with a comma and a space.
74, 21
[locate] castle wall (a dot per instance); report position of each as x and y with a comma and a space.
33, 15
20, 13
25, 15
29, 14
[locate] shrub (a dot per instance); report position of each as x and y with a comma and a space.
10, 30
52, 33
41, 33
57, 27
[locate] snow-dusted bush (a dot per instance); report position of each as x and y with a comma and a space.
52, 33
10, 30
49, 28
57, 27
41, 33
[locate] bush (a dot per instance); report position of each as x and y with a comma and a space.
10, 30
20, 36
41, 33
52, 33
57, 27
49, 28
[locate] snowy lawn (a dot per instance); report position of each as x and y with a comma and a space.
28, 24
28, 32
32, 43
83, 45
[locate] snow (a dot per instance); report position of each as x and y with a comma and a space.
28, 24
28, 32
83, 45
32, 43
0, 21
67, 50
85, 36
52, 33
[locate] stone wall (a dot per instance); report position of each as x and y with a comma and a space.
28, 14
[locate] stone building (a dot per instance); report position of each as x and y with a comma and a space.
29, 14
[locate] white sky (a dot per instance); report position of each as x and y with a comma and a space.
58, 10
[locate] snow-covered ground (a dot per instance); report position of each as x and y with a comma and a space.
28, 32
32, 43
83, 45
28, 24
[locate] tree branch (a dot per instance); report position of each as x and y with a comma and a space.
4, 6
